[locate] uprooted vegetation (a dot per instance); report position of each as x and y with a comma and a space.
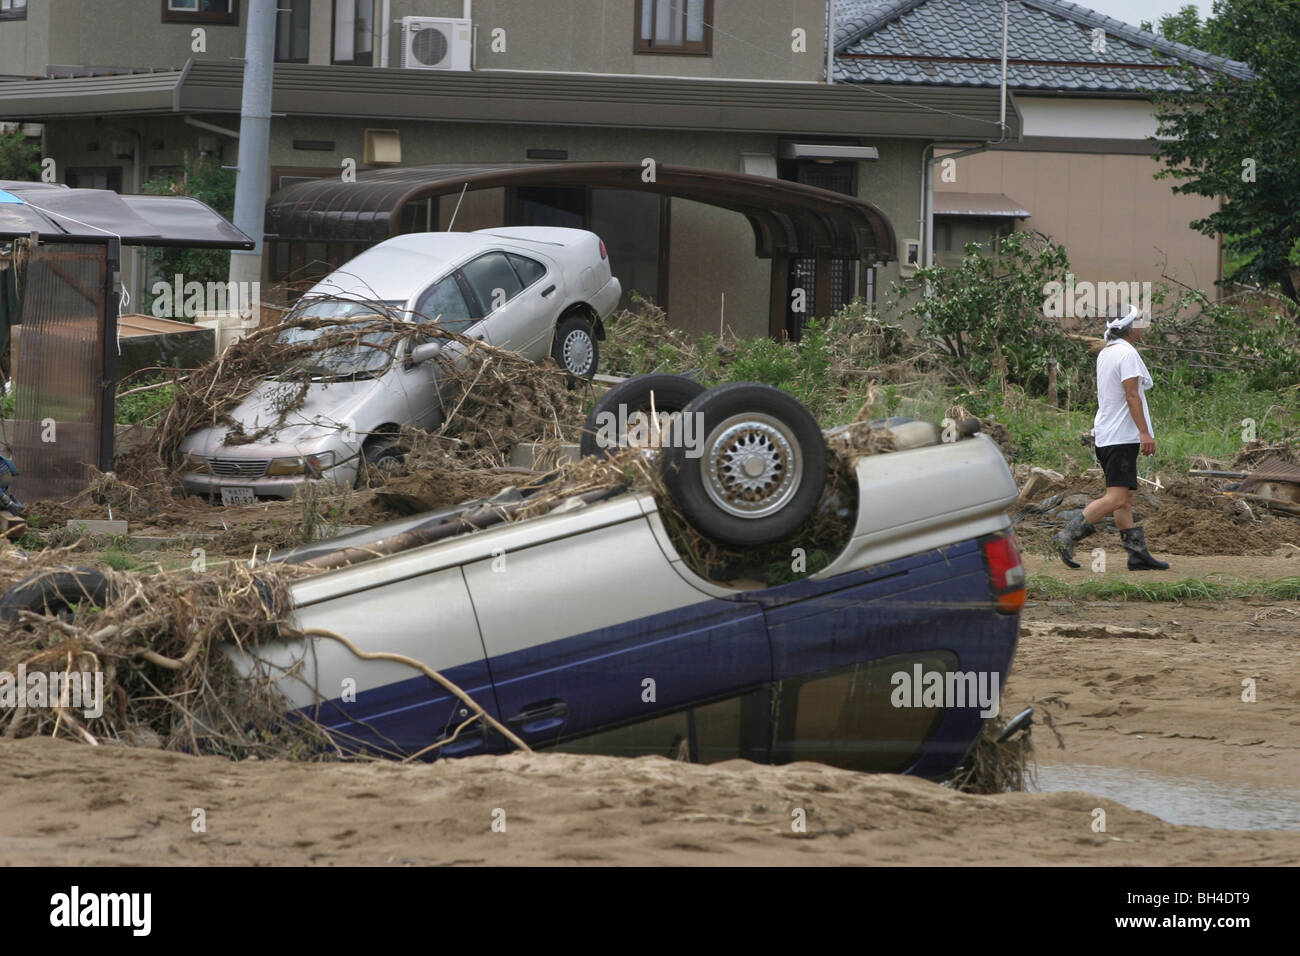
165, 680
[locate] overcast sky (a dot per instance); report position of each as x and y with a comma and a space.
1135, 11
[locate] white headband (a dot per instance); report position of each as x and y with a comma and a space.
1122, 321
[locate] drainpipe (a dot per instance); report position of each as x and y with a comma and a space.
830, 41
386, 18
254, 138
133, 255
1002, 116
211, 127
927, 165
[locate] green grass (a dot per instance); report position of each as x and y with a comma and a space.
1045, 587
1188, 423
140, 408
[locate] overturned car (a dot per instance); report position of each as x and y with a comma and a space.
585, 627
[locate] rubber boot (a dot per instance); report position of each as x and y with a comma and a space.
1139, 558
1074, 532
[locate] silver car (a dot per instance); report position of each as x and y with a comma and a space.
536, 290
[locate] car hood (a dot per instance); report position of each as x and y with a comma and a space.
315, 425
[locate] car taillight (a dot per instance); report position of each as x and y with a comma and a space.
1006, 573
603, 253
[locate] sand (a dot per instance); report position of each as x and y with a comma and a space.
1149, 686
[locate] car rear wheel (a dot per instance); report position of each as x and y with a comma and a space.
55, 593
575, 349
759, 470
606, 427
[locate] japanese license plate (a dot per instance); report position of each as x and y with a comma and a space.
237, 496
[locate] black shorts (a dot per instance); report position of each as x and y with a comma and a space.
1120, 464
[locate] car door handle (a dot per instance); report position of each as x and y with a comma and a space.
548, 290
541, 716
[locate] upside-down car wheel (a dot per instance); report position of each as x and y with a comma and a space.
606, 427
754, 468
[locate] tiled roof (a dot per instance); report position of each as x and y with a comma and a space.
1049, 47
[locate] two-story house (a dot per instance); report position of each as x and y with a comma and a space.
701, 139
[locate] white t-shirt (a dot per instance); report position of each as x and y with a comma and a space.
1114, 425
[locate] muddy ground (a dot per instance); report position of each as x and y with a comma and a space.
1134, 687
1147, 686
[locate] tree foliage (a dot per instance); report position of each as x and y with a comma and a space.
1236, 138
200, 178
985, 315
20, 157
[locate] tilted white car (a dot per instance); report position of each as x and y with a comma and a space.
536, 290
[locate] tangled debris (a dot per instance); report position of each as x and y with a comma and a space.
997, 765
160, 677
1182, 516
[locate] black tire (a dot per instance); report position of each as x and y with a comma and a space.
55, 592
672, 393
380, 458
575, 348
779, 436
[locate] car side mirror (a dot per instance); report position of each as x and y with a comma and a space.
424, 352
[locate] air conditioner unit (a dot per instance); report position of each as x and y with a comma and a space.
437, 43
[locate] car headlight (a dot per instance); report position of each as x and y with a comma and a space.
304, 465
196, 463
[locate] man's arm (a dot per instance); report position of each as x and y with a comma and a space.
1133, 395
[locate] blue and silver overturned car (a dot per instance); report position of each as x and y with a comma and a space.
584, 629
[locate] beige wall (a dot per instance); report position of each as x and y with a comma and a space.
596, 36
712, 255
1118, 224
753, 39
23, 43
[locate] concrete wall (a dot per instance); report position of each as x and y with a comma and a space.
1117, 222
131, 33
753, 39
712, 255
893, 183
23, 43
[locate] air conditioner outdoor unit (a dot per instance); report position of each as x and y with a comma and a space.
437, 43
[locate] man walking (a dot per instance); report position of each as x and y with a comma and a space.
1121, 429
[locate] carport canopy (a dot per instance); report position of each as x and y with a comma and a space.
788, 218
59, 213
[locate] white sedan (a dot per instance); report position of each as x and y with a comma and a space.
536, 290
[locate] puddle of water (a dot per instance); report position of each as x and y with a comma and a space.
1191, 801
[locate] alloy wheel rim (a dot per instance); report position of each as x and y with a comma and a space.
753, 466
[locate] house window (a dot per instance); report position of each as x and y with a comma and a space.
354, 36
201, 11
292, 31
94, 177
282, 176
13, 9
674, 26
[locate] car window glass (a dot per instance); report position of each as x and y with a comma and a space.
664, 736
846, 717
529, 270
722, 730
493, 280
447, 304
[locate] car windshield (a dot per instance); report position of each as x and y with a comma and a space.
358, 355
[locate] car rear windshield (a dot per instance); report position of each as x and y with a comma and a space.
361, 353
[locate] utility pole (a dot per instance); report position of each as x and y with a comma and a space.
254, 138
